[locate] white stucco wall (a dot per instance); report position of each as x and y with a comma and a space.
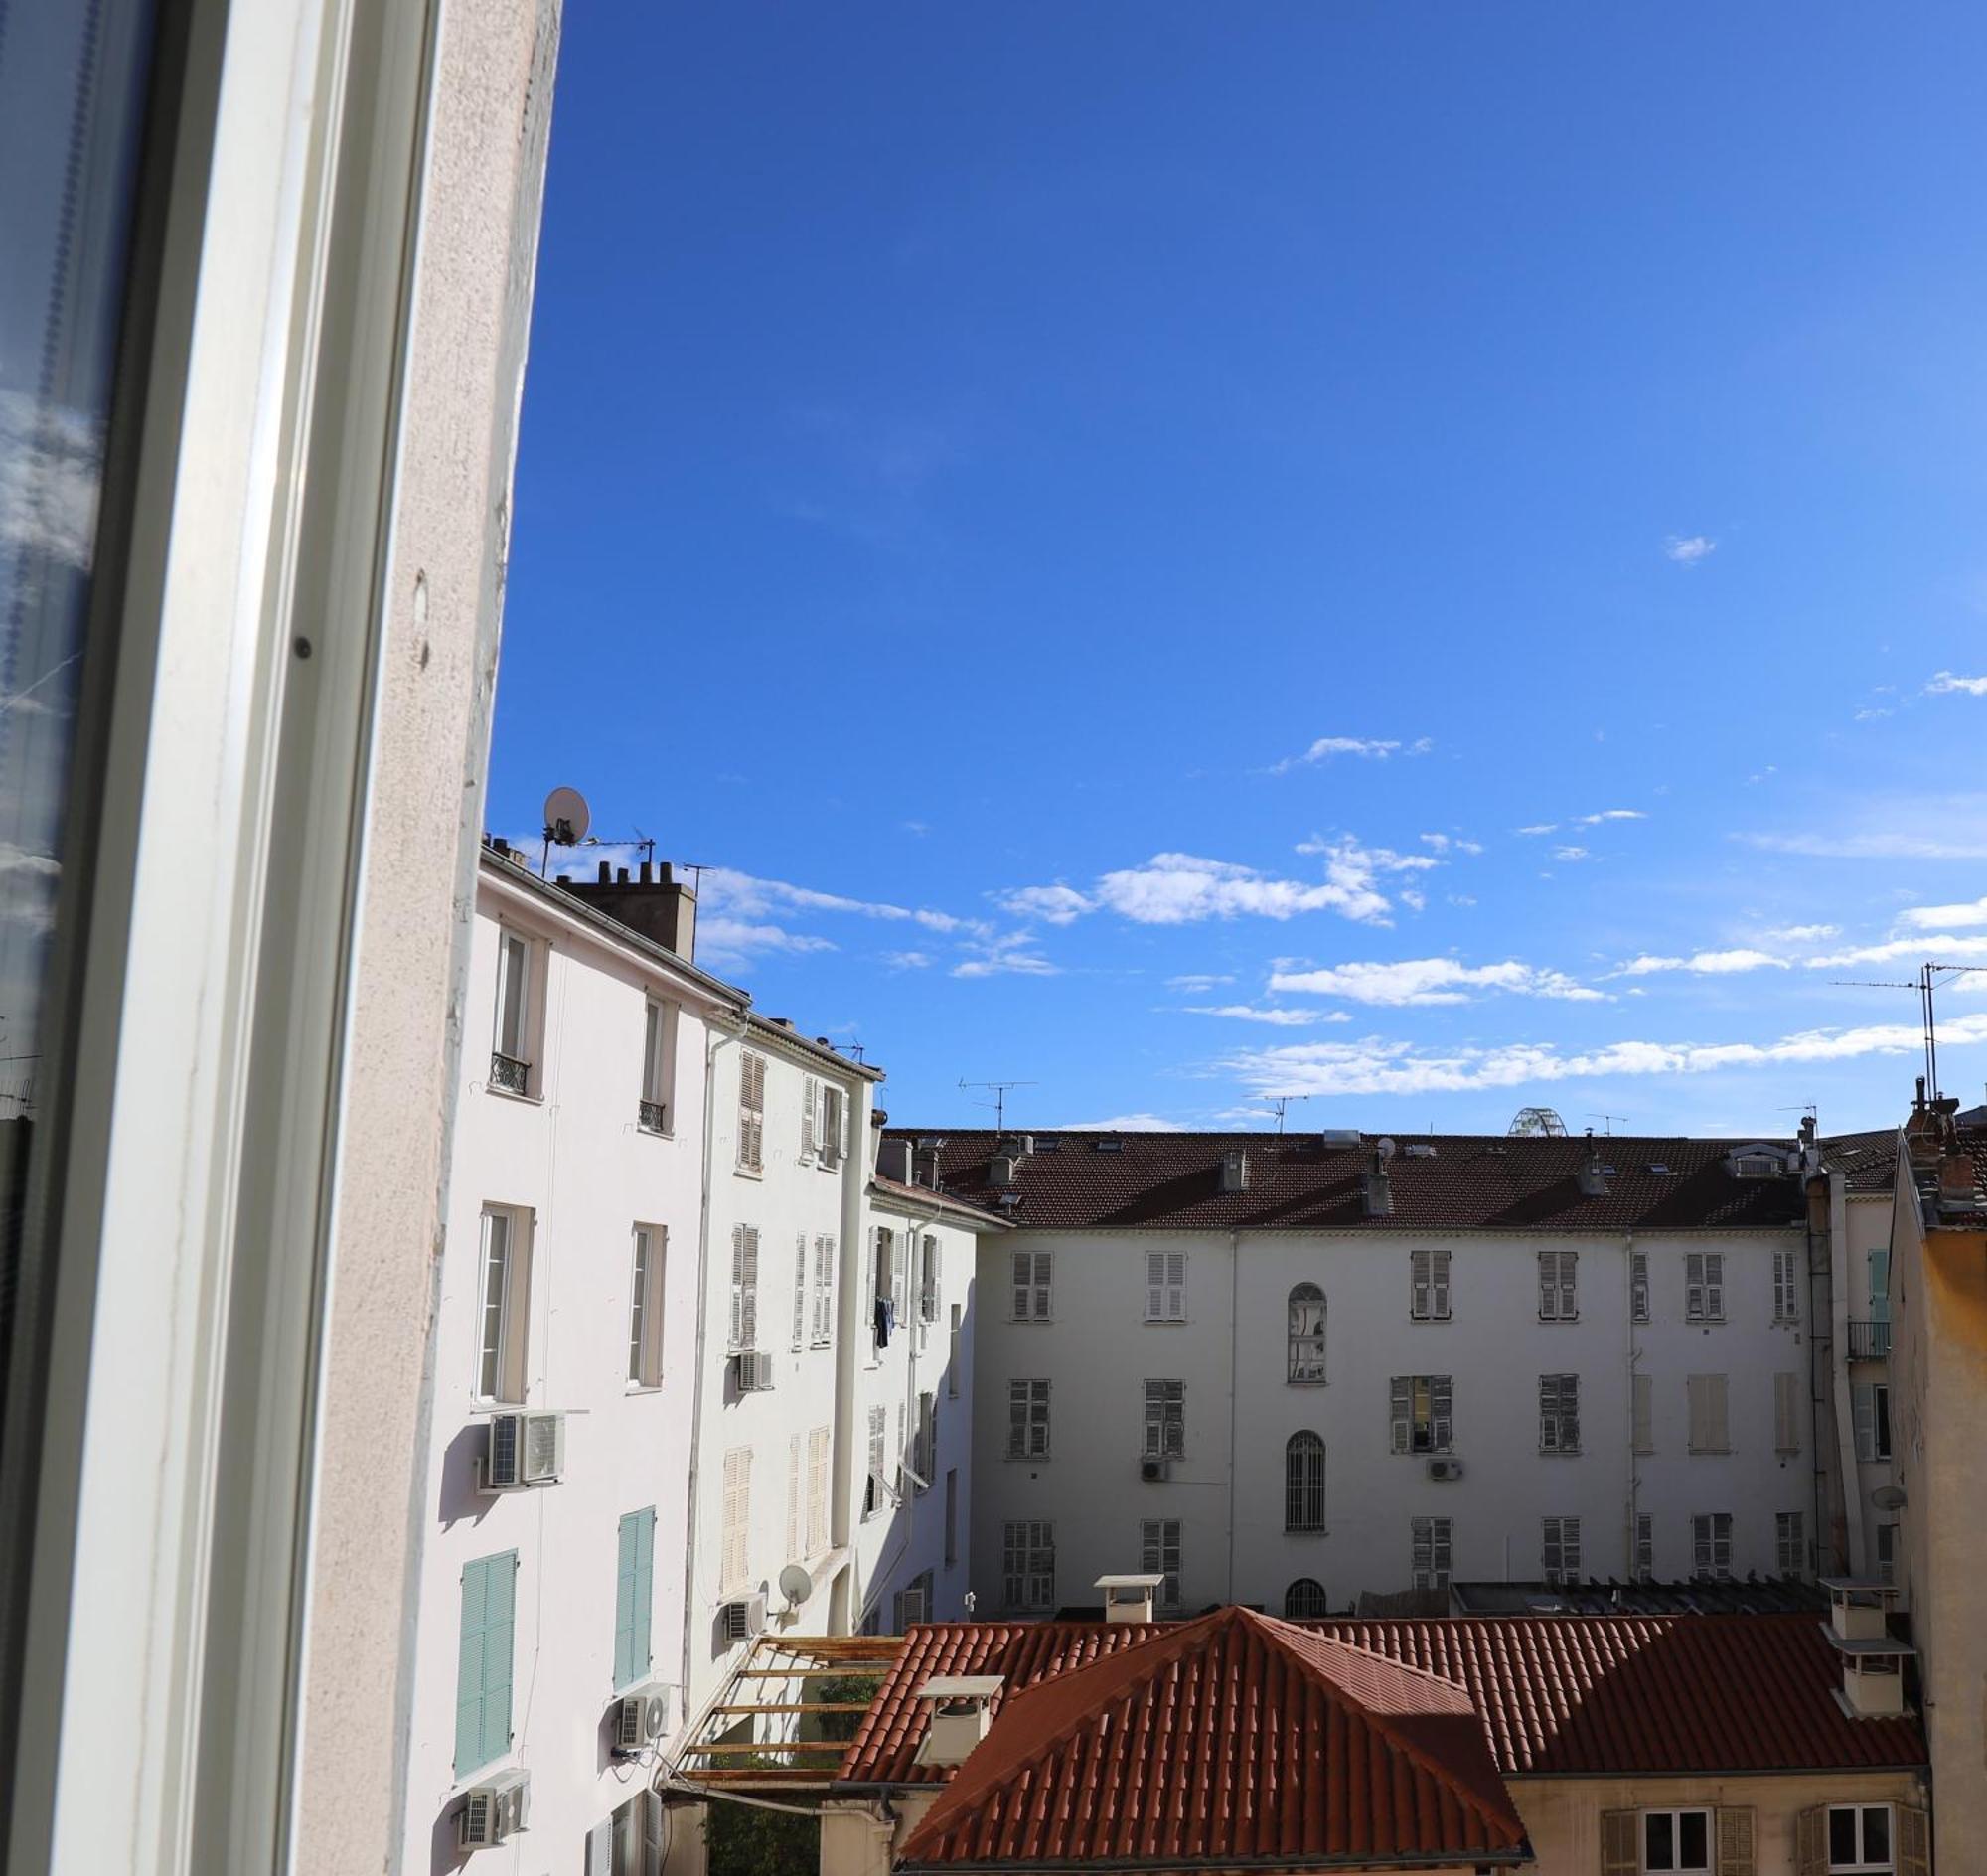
575, 1158
1240, 1409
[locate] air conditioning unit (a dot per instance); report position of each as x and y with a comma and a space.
1152, 1469
752, 1370
1444, 1469
524, 1448
744, 1617
492, 1814
640, 1717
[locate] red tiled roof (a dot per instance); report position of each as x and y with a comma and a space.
1471, 1182
1557, 1694
1233, 1737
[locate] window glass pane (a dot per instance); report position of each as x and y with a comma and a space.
1693, 1840
1842, 1836
1659, 1849
1876, 1834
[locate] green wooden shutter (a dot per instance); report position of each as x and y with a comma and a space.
626, 1600
483, 1661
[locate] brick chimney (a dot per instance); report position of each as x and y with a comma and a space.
655, 903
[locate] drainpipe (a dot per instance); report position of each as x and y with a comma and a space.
1234, 1402
717, 1038
1837, 1427
856, 1171
1634, 1359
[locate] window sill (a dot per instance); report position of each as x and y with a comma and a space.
654, 1133
641, 1387
1024, 1459
1708, 1451
1558, 1452
1167, 1322
511, 1094
1431, 1319
749, 1171
1031, 1322
1559, 1318
1307, 1380
1320, 1531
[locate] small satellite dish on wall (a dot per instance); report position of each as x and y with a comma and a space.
795, 1585
1887, 1497
567, 817
1385, 1147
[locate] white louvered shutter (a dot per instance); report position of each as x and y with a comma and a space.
1400, 1407
1693, 1285
1441, 1413
1175, 1286
1700, 1412
1156, 1285
800, 1289
810, 1107
1420, 1283
737, 1286
1914, 1841
1714, 1286
1643, 1394
793, 1497
841, 1129
1438, 1283
1811, 1842
748, 1307
1720, 1425
1024, 1285
1735, 1840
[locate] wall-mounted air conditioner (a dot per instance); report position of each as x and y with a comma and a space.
752, 1370
494, 1812
1444, 1469
1152, 1469
744, 1617
524, 1449
640, 1717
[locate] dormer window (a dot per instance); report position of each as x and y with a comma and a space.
1756, 1162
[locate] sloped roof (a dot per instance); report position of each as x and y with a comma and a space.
1868, 1162
1557, 1694
1234, 1736
1299, 1181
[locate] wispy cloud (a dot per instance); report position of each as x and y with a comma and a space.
1688, 550
1971, 912
745, 895
1374, 1066
1430, 981
731, 942
1539, 827
1946, 683
1704, 963
1125, 1124
1369, 748
1057, 904
1879, 843
1571, 853
1940, 945
1800, 934
908, 959
49, 471
1609, 813
1197, 981
1008, 953
1275, 1017
1451, 843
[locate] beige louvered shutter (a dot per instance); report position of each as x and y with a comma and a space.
842, 1130
1734, 1841
1621, 1855
1786, 1413
1914, 1841
1643, 1396
1811, 1842
794, 1496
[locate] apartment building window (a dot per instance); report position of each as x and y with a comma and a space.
794, 1500
1560, 1555
1880, 1286
1558, 1295
658, 1068
800, 1292
1639, 1286
1429, 1552
1789, 1543
1887, 1553
511, 1047
1860, 1839
1642, 1413
645, 1307
823, 1124
875, 1488
1427, 1284
1165, 1419
951, 1516
1786, 1413
821, 1324
634, 1595
1159, 1553
1165, 1286
745, 1286
1034, 1274
928, 1278
1870, 1409
883, 1283
734, 1551
1421, 1406
485, 1644
1028, 1565
1786, 1287
1673, 1841
1305, 1601
1709, 1431
504, 1306
897, 1448
1307, 1334
635, 1837
1304, 1482
913, 1602
952, 1356
1704, 1287
1645, 1570
1558, 1413
924, 1443
819, 1452
1711, 1545
1027, 1420
751, 1112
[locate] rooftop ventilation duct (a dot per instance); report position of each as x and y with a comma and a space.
961, 1712
1592, 1175
924, 1167
1130, 1597
1003, 1169
1377, 1189
893, 1160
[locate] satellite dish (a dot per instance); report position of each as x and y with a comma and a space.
1385, 1147
795, 1584
1887, 1497
567, 817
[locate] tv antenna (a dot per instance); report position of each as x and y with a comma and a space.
1606, 1121
567, 817
1931, 976
1280, 1102
998, 1103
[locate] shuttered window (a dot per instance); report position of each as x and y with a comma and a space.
1880, 1286
1305, 1333
951, 1516
1559, 1553
1034, 1270
1709, 1431
1676, 1841
1786, 1287
1558, 1413
1642, 1399
924, 1443
634, 1595
1704, 1286
1786, 1413
928, 1278
913, 1602
1165, 1419
1870, 1403
1165, 1286
645, 1307
1789, 1543
751, 1112
793, 1495
1638, 1285
1559, 1297
745, 1286
1027, 1420
1736, 1841
819, 1448
1645, 1548
734, 1563
1429, 1549
1422, 1412
1160, 1554
821, 1326
952, 1356
1028, 1565
485, 1646
875, 1488
1711, 1545
1427, 1284
800, 1291
1304, 1482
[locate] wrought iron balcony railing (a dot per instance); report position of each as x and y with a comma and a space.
650, 1115
508, 1073
1869, 1341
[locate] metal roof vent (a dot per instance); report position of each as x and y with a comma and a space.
1594, 1175
1003, 1169
961, 1712
1130, 1597
1419, 1150
1235, 1170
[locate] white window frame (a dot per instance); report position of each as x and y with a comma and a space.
658, 1062
751, 1159
952, 1354
504, 1320
876, 1487
649, 1250
1643, 1565
745, 1324
1428, 1283
1876, 1438
1422, 1409
1305, 1330
924, 1443
1704, 1287
1676, 1815
821, 1329
1029, 1423
518, 956
1165, 1286
1430, 1551
1033, 1297
1786, 1287
1559, 1414
1864, 1865
1639, 1286
1559, 1286
929, 1259
1028, 1565
1790, 1542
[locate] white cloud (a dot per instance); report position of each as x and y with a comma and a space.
743, 895
1949, 681
1183, 888
1125, 1124
1281, 1019
1688, 550
49, 477
1374, 1066
1451, 843
1705, 963
1801, 934
1973, 912
1414, 900
734, 941
1539, 827
1058, 904
908, 959
1571, 853
1610, 814
1007, 955
1368, 748
1940, 945
1430, 981
1196, 981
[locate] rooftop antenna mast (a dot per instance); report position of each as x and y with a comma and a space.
1000, 1101
1606, 1121
1931, 975
1280, 1102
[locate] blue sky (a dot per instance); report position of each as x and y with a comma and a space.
1434, 557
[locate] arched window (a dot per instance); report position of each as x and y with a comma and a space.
1304, 1601
1307, 1333
1304, 1482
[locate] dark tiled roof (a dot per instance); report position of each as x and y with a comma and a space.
916, 1197
1232, 1737
1867, 1162
1296, 1182
1557, 1694
1771, 1596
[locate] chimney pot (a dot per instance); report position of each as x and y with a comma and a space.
647, 873
606, 874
